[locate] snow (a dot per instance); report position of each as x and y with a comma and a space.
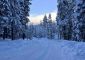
41, 49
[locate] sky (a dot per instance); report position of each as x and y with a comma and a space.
41, 7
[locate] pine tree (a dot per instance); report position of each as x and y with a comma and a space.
70, 20
14, 11
80, 19
45, 21
4, 14
65, 18
50, 33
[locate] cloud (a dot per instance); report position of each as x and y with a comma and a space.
35, 19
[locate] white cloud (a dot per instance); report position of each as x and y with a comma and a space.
36, 19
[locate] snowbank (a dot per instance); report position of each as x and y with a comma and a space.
42, 49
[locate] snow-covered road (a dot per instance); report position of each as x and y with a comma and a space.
41, 49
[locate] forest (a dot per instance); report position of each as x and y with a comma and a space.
69, 25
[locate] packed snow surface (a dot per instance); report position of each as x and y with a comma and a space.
41, 49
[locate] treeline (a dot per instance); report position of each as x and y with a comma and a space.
14, 22
46, 29
71, 20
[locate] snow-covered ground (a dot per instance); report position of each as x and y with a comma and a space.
41, 49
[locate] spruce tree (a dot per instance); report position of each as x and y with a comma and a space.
81, 20
45, 21
50, 33
15, 11
65, 18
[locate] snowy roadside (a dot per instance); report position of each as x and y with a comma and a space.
42, 49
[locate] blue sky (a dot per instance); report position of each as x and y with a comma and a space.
41, 7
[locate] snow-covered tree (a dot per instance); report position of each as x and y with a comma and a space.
48, 26
4, 17
13, 16
65, 18
30, 31
70, 19
80, 11
50, 33
45, 21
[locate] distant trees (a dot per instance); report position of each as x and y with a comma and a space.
46, 29
45, 21
70, 20
30, 31
50, 33
48, 25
